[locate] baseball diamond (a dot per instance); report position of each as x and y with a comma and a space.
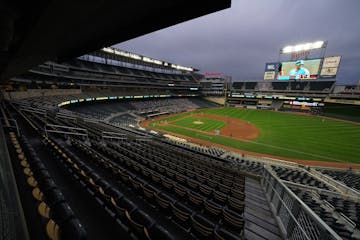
280, 134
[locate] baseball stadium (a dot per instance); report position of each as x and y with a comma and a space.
102, 143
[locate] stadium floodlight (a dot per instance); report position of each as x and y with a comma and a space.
107, 49
122, 53
151, 60
178, 67
303, 47
287, 49
145, 59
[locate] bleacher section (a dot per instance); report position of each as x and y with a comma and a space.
333, 215
298, 86
205, 103
282, 86
101, 110
212, 151
349, 208
324, 86
138, 108
342, 215
308, 96
148, 187
124, 120
297, 176
142, 184
276, 104
264, 104
55, 216
253, 167
162, 106
250, 85
238, 85
286, 86
88, 73
350, 178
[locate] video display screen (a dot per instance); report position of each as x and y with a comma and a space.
299, 70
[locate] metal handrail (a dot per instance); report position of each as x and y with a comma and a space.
339, 185
298, 220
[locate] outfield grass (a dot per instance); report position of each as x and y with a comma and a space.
283, 134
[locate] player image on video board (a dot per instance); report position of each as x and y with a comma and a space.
299, 69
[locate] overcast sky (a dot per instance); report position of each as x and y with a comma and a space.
240, 40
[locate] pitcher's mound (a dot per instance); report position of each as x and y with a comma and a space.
198, 122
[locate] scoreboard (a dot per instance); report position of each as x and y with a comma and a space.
304, 61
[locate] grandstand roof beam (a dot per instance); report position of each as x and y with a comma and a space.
62, 29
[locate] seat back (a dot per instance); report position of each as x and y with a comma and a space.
72, 230
233, 220
202, 227
223, 234
212, 208
139, 221
158, 232
182, 214
195, 199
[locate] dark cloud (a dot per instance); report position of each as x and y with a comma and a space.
238, 41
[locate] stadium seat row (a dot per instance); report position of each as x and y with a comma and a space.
213, 175
172, 179
165, 192
128, 213
61, 222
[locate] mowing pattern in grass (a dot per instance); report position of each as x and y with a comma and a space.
289, 135
208, 125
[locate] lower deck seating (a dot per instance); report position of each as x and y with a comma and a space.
349, 177
174, 185
324, 86
348, 207
326, 214
213, 151
163, 181
251, 166
154, 189
298, 176
60, 222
